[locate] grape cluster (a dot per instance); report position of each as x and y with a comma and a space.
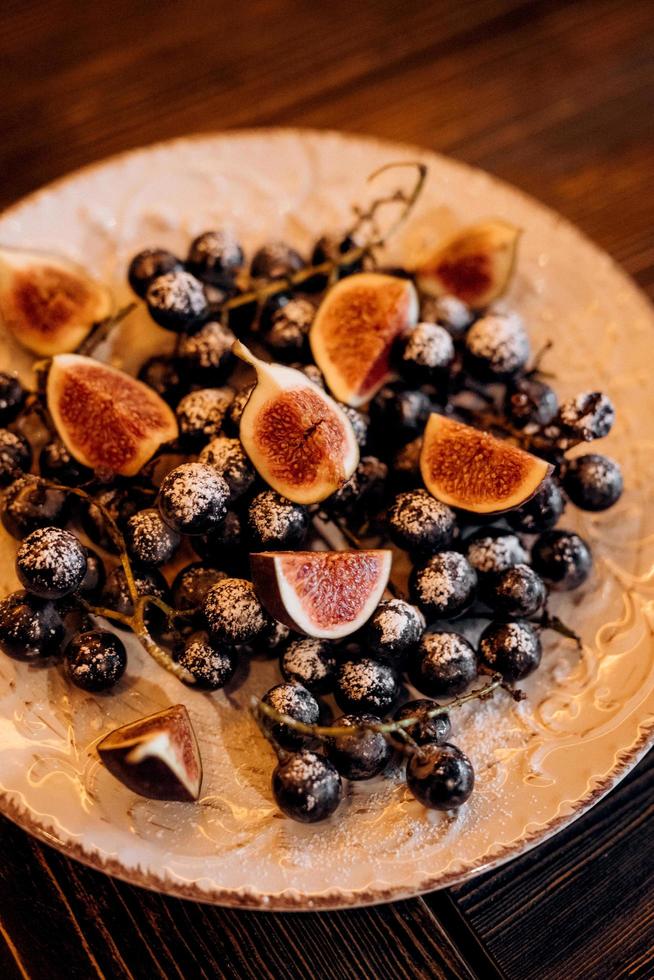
207, 512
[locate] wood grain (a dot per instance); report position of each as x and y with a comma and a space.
553, 96
582, 904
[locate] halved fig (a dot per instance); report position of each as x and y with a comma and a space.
108, 420
475, 471
324, 594
354, 331
47, 302
156, 756
475, 266
298, 439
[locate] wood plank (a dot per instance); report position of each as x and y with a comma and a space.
134, 73
580, 905
551, 95
101, 927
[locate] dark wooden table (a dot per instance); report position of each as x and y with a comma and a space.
556, 97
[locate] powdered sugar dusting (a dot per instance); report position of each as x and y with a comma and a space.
394, 618
495, 553
501, 340
232, 609
177, 290
271, 516
203, 411
228, 458
588, 416
193, 488
430, 346
209, 347
53, 555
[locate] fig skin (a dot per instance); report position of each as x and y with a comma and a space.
125, 754
47, 302
107, 420
297, 438
355, 330
475, 265
458, 464
272, 573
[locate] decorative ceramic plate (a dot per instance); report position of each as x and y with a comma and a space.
589, 716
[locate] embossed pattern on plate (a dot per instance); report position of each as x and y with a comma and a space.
539, 764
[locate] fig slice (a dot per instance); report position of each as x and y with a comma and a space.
298, 439
108, 420
156, 756
475, 471
47, 302
475, 266
324, 594
354, 330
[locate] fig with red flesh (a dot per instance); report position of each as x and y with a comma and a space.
475, 471
324, 594
48, 303
298, 439
108, 420
475, 266
156, 756
355, 329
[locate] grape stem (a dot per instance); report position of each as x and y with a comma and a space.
383, 727
549, 622
135, 620
102, 330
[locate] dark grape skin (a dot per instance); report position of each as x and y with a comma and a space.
397, 416
365, 685
394, 629
51, 563
541, 512
426, 730
148, 539
518, 592
57, 464
95, 660
275, 260
147, 265
120, 506
443, 664
96, 575
164, 376
331, 249
177, 302
420, 524
15, 456
192, 583
563, 559
29, 503
530, 401
309, 662
211, 666
149, 581
286, 533
225, 545
295, 701
307, 787
440, 777
362, 755
214, 257
192, 513
512, 649
30, 628
12, 397
425, 585
593, 482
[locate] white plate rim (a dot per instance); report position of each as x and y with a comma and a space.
625, 759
